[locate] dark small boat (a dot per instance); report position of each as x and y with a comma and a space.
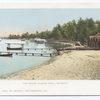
8, 48
6, 54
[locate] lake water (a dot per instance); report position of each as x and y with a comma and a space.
18, 62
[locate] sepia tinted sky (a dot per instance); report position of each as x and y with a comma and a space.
17, 21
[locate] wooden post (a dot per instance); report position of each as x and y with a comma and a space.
25, 54
8, 45
22, 46
50, 55
16, 53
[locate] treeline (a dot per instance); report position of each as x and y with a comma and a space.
72, 31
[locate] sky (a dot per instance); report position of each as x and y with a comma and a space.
18, 21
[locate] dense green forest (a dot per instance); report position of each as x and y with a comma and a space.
73, 30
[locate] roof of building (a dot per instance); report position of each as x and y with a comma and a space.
39, 39
95, 36
98, 34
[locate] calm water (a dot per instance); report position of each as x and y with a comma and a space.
17, 63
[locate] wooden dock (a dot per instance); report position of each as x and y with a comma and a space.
45, 54
31, 54
38, 49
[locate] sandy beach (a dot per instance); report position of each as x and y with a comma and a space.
74, 65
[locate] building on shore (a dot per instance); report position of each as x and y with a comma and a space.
94, 41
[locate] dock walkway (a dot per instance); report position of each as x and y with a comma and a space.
30, 54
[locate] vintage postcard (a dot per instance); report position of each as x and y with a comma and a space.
49, 49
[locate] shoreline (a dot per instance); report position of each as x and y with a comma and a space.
74, 65
3, 77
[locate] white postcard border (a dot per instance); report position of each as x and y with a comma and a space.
51, 87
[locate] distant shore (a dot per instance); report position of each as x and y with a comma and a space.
74, 65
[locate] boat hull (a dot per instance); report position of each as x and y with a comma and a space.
14, 48
6, 55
